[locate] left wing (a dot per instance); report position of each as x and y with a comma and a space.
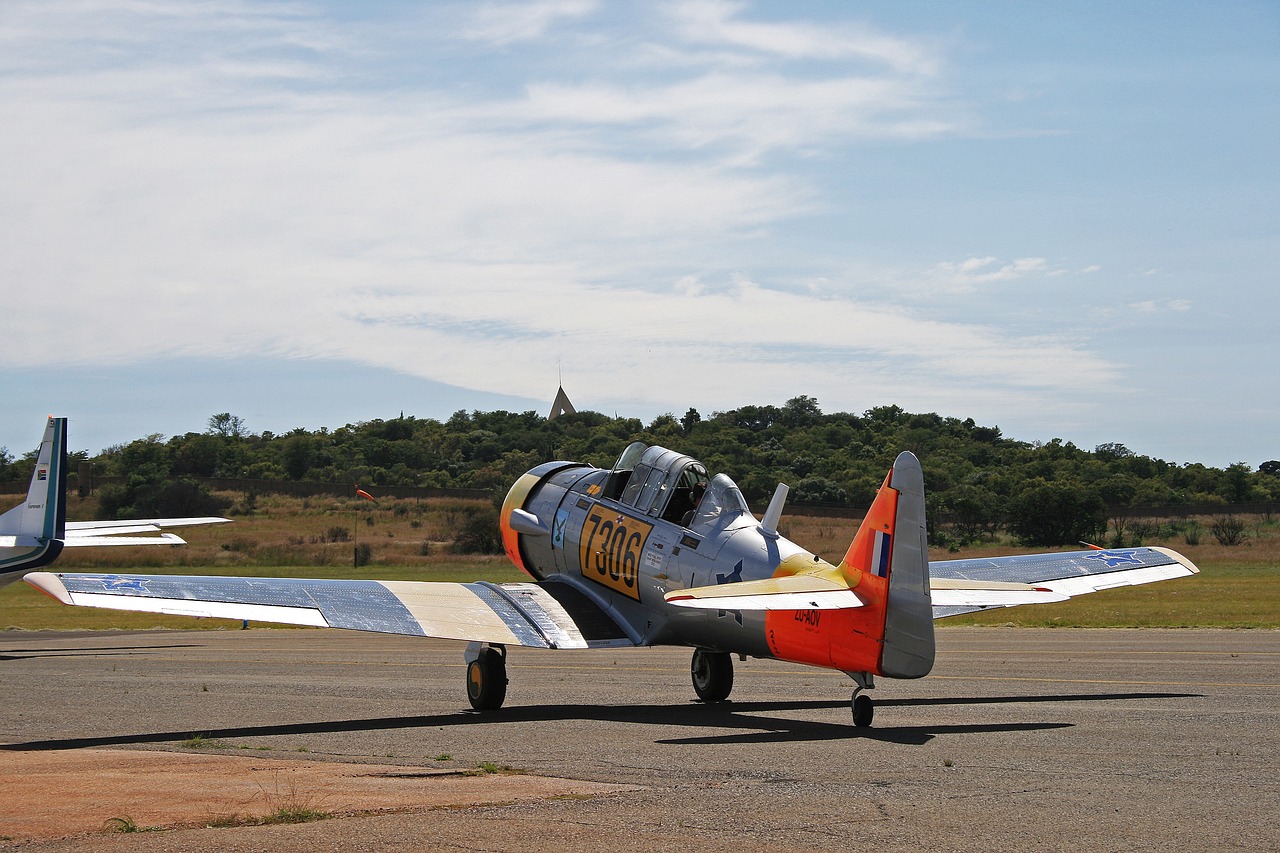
1060, 575
517, 614
99, 533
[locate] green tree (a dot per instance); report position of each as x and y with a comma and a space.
1238, 483
227, 425
298, 455
974, 511
690, 420
197, 455
800, 411
1057, 513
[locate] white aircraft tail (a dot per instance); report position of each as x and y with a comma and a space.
32, 533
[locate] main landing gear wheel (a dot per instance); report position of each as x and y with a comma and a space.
863, 710
712, 675
487, 679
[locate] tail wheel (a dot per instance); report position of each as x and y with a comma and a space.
487, 680
712, 674
863, 710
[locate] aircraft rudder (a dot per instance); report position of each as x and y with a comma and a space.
34, 530
43, 515
908, 630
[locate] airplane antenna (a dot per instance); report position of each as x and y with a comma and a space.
772, 515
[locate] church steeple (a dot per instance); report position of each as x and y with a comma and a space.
561, 406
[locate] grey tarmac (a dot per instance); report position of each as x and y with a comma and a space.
1022, 739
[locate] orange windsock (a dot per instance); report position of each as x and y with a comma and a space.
362, 493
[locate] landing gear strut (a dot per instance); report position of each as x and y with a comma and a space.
712, 674
486, 676
863, 709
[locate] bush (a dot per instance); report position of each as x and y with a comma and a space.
1192, 533
1058, 514
1228, 530
479, 532
153, 497
363, 554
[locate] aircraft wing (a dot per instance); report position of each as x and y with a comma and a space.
517, 614
1052, 577
131, 532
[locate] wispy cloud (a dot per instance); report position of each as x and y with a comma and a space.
968, 275
505, 23
204, 180
1157, 306
717, 22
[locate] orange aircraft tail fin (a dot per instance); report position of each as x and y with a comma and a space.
888, 561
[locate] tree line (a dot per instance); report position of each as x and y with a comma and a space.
1043, 492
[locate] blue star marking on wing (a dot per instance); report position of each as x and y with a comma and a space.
118, 582
1115, 559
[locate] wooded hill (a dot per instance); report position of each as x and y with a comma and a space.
1048, 493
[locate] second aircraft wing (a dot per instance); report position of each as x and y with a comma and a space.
142, 531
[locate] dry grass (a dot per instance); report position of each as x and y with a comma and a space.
410, 540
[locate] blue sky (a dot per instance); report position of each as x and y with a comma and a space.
1061, 219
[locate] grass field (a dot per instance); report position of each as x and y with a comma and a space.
1239, 587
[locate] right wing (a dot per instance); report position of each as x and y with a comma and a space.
1048, 577
543, 616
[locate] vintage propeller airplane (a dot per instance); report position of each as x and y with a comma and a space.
33, 533
654, 551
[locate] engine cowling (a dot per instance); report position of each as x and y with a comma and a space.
529, 511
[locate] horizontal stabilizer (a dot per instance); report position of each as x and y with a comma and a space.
791, 592
103, 541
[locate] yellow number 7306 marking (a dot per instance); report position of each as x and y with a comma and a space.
610, 549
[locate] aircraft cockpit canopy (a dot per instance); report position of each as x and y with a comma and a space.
664, 484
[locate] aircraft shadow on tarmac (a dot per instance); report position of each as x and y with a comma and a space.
94, 651
743, 716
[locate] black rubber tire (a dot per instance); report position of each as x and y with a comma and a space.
712, 674
487, 680
863, 710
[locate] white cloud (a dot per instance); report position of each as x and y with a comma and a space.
207, 185
749, 114
719, 22
1156, 306
965, 276
505, 23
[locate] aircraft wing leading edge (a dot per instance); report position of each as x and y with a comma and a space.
1059, 575
517, 614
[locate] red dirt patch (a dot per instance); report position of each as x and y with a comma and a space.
51, 794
